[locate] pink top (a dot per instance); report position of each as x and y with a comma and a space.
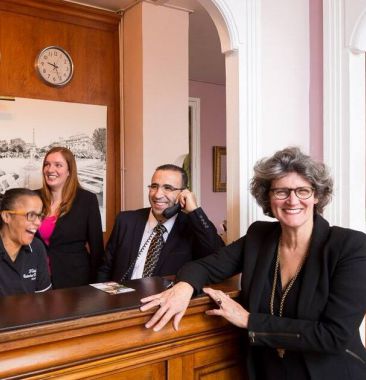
47, 227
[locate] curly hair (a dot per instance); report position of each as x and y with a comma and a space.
290, 160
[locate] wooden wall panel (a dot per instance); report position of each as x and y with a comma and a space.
116, 345
91, 38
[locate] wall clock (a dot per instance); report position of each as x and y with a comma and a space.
54, 66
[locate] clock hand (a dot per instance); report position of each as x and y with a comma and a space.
55, 67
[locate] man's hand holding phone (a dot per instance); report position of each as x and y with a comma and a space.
187, 201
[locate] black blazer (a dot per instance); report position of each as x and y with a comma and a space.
332, 300
192, 236
71, 262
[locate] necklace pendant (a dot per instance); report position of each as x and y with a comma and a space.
281, 352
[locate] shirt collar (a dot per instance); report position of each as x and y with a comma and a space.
152, 222
25, 248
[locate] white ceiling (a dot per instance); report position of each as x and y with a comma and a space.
206, 62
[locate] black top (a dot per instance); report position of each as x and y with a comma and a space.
28, 273
76, 244
268, 365
330, 305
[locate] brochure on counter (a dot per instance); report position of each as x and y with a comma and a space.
112, 287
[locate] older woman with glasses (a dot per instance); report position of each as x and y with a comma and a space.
23, 263
303, 290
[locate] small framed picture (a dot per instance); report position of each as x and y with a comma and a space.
219, 168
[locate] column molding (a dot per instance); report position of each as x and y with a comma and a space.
344, 117
243, 89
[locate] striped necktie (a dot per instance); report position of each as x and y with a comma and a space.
153, 253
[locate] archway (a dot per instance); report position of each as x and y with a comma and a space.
243, 128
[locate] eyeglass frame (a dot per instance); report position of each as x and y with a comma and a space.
166, 189
289, 190
40, 216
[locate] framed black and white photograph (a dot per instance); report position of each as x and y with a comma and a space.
30, 127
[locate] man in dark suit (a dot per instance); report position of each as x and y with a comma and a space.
188, 234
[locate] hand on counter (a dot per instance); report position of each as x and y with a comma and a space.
173, 302
228, 308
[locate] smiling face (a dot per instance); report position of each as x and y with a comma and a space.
160, 199
17, 228
293, 212
55, 170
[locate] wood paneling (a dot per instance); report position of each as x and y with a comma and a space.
91, 38
116, 345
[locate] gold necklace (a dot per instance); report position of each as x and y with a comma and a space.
281, 351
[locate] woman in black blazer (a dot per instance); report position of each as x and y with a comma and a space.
72, 230
303, 287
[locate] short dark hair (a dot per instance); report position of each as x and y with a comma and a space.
290, 160
9, 198
175, 168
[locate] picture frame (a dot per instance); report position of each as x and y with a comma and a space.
219, 169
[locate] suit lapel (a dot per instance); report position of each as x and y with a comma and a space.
312, 266
138, 233
262, 268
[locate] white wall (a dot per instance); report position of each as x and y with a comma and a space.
285, 74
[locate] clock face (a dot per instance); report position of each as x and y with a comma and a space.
54, 65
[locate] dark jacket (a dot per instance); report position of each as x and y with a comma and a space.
332, 300
71, 262
192, 236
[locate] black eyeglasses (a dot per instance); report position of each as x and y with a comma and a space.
31, 215
283, 193
165, 188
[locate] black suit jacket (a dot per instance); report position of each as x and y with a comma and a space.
192, 236
71, 262
331, 304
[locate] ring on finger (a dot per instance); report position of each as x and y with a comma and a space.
219, 301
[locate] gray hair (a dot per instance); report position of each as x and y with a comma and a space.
290, 160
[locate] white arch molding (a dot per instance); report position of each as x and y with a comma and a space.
238, 25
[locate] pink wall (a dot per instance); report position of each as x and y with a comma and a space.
213, 132
316, 78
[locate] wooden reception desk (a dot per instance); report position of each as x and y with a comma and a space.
85, 333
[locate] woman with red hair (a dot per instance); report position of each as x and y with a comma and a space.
71, 230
